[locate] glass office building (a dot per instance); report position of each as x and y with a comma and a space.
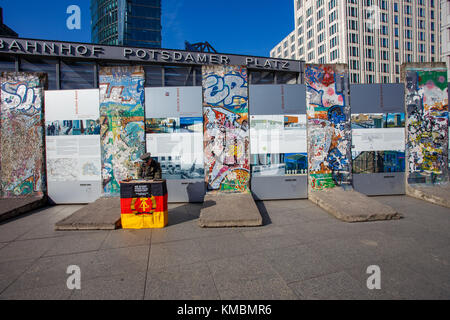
126, 22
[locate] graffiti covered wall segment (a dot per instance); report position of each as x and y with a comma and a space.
329, 126
226, 128
426, 99
22, 134
122, 124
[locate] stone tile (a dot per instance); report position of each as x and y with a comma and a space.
398, 281
313, 213
77, 243
228, 245
387, 245
47, 230
11, 270
194, 209
274, 242
182, 282
11, 230
55, 292
298, 263
121, 287
424, 210
43, 230
334, 286
270, 230
127, 238
286, 217
26, 249
178, 213
362, 250
258, 289
433, 265
425, 237
174, 206
15, 228
436, 222
50, 271
287, 204
229, 271
163, 255
67, 210
130, 260
398, 201
321, 230
186, 231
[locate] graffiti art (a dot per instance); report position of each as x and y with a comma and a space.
226, 129
329, 126
122, 124
22, 134
427, 124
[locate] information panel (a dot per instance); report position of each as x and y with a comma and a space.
72, 129
174, 131
278, 145
378, 142
174, 137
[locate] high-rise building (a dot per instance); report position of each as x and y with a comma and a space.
445, 33
374, 37
126, 22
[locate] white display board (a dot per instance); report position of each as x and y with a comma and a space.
72, 129
378, 139
269, 134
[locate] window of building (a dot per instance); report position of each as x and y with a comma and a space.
261, 77
41, 65
7, 64
77, 75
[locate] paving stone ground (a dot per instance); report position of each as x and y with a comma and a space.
300, 252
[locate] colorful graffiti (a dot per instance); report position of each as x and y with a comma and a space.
22, 134
122, 124
329, 126
427, 124
226, 129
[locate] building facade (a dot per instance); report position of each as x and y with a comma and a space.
126, 22
445, 33
374, 37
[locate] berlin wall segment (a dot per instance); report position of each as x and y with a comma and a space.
22, 153
122, 124
329, 126
426, 107
226, 128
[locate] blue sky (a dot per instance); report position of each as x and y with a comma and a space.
248, 27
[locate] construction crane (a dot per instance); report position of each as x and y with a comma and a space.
200, 47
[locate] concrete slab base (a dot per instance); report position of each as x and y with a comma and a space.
352, 206
103, 214
229, 210
12, 207
437, 194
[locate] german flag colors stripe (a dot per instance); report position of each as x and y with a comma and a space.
143, 204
